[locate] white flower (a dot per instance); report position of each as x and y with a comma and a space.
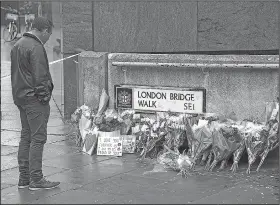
152, 121
144, 128
162, 124
136, 116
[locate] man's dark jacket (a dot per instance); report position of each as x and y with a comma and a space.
30, 75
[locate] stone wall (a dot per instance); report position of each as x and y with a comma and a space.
180, 26
174, 26
144, 26
170, 26
237, 25
76, 25
243, 91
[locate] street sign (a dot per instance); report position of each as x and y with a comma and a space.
163, 99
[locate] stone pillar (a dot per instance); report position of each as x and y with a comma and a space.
76, 33
91, 77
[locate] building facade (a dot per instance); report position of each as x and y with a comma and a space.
175, 26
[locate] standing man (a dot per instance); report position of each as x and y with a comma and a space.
32, 87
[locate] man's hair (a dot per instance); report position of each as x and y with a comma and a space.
41, 23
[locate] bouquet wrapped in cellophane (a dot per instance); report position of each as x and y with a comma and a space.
176, 161
128, 118
272, 142
156, 132
83, 118
200, 136
142, 131
244, 128
263, 138
255, 141
226, 139
108, 121
167, 129
202, 142
177, 138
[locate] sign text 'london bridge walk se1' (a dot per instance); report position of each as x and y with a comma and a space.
163, 99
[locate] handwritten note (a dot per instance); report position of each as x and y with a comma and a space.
129, 143
109, 146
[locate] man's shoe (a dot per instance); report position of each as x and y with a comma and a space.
43, 184
23, 184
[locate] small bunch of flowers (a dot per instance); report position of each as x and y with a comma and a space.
108, 121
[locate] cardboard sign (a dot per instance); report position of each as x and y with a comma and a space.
144, 98
129, 143
90, 141
109, 145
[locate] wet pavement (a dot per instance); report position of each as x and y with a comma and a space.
103, 180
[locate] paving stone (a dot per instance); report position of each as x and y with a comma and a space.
70, 160
128, 200
14, 125
11, 115
4, 94
5, 87
68, 142
117, 185
58, 130
163, 199
126, 161
53, 151
241, 194
76, 197
10, 138
132, 188
9, 162
7, 150
142, 170
14, 195
55, 138
106, 186
87, 174
5, 185
192, 188
10, 176
140, 179
8, 107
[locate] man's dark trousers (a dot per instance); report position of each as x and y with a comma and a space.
34, 118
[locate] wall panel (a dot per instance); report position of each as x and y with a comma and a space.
238, 25
150, 26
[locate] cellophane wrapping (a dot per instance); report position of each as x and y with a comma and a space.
227, 138
255, 140
202, 142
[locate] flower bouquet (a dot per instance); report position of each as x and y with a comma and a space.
234, 140
175, 161
128, 117
202, 144
108, 121
154, 144
177, 139
226, 140
272, 126
272, 142
84, 118
243, 127
142, 132
255, 142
